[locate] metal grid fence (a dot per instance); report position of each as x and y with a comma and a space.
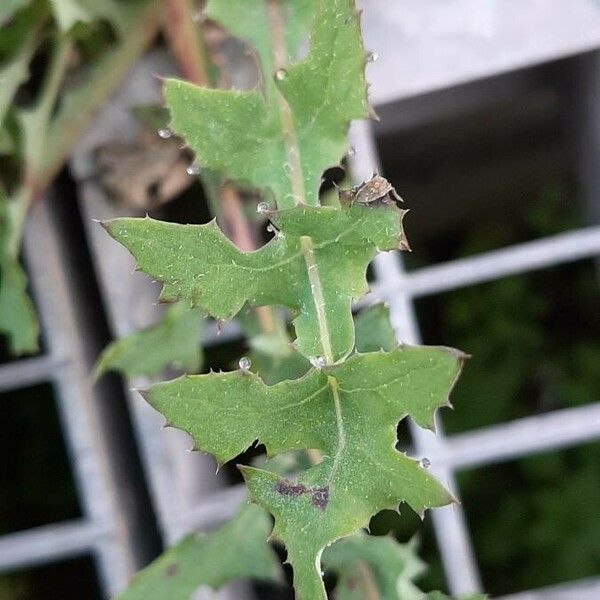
101, 531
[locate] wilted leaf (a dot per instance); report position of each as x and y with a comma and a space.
315, 266
349, 413
366, 563
175, 340
238, 549
285, 137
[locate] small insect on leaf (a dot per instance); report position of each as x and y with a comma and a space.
375, 190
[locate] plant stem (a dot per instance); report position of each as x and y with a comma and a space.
50, 140
36, 121
185, 42
190, 54
240, 234
280, 59
306, 244
368, 581
79, 106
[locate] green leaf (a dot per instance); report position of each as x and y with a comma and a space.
175, 340
316, 266
275, 359
285, 137
363, 562
17, 314
15, 68
238, 549
349, 413
440, 596
9, 7
70, 12
373, 329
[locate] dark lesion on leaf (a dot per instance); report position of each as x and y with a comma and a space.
172, 570
319, 495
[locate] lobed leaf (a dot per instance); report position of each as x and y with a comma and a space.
316, 266
238, 549
283, 138
175, 340
365, 563
349, 413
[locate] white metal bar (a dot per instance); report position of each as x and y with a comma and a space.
30, 371
553, 430
48, 543
215, 334
586, 589
547, 252
74, 397
215, 509
449, 523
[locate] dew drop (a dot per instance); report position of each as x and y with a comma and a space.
372, 57
351, 151
280, 74
425, 463
263, 207
271, 228
164, 133
193, 169
245, 363
317, 361
199, 17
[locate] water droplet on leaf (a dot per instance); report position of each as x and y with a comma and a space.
245, 363
351, 151
193, 169
280, 74
164, 133
425, 463
317, 361
262, 207
372, 57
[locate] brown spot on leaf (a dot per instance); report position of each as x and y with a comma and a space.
172, 570
320, 497
287, 488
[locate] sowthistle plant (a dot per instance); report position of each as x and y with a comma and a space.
344, 410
